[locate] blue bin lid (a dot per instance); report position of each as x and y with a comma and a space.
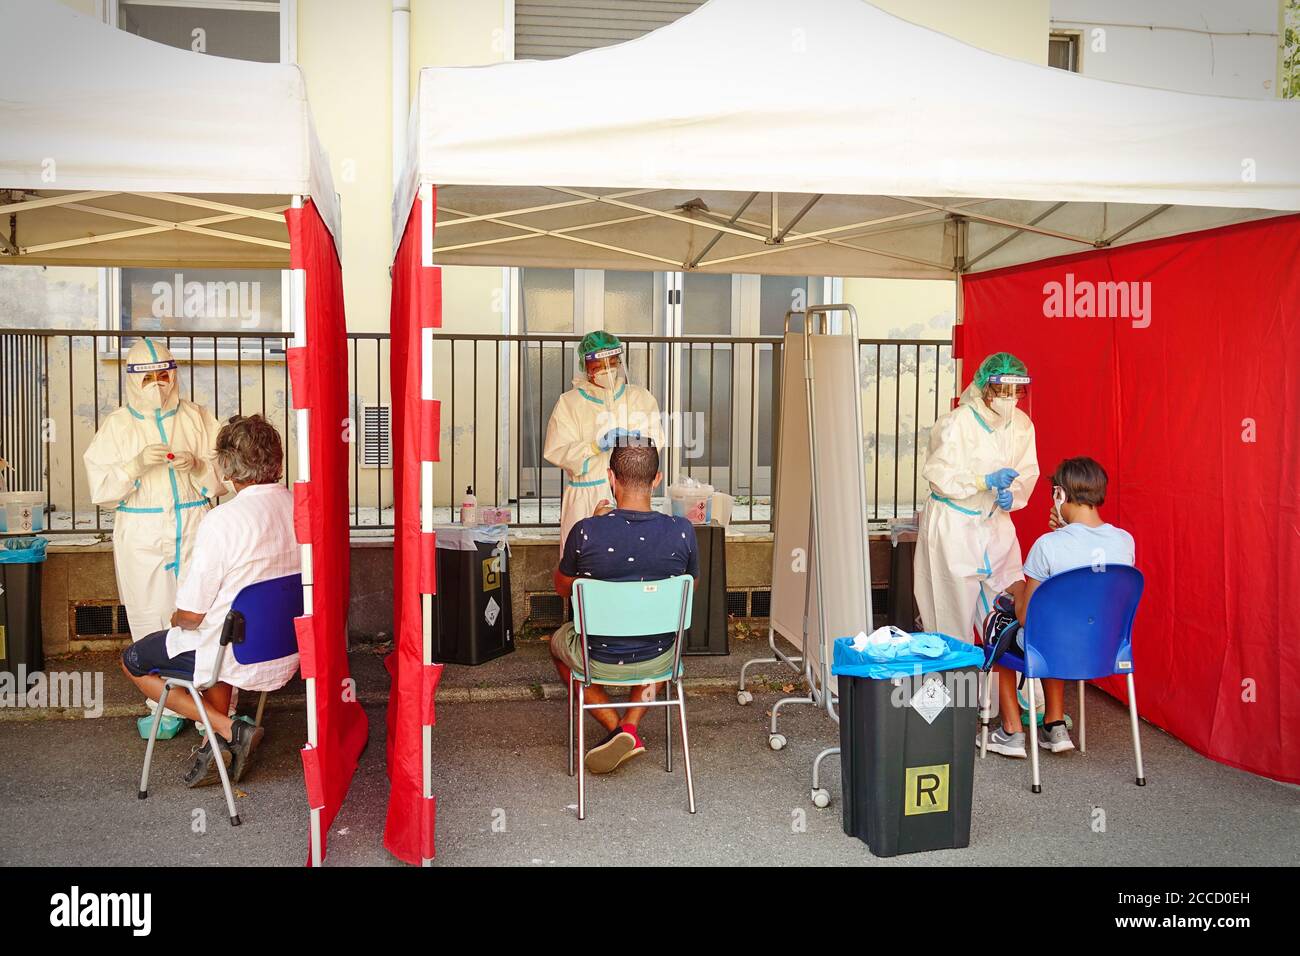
25, 550
848, 662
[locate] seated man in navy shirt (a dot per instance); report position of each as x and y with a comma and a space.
624, 543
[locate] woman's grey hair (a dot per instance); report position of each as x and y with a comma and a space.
249, 451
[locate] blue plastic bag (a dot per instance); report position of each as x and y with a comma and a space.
28, 550
848, 662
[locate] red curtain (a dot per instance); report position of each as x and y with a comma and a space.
416, 305
1194, 411
319, 382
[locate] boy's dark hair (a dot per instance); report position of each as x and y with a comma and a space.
635, 462
1083, 480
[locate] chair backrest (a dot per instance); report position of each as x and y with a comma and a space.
268, 609
634, 608
1079, 623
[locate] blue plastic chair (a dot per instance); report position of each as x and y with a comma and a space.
1078, 626
631, 609
259, 628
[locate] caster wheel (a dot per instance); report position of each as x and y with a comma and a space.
744, 697
776, 741
821, 798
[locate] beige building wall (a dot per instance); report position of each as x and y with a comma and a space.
345, 50
918, 382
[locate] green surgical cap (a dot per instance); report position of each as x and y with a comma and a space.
999, 363
598, 341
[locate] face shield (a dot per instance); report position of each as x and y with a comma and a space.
1004, 393
151, 376
604, 369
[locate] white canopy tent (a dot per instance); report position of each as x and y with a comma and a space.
118, 151
825, 138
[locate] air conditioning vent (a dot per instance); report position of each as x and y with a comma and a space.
377, 436
545, 609
737, 604
98, 620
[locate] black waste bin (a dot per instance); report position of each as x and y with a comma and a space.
708, 631
907, 754
903, 612
472, 620
20, 604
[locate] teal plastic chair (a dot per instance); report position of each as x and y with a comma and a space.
631, 609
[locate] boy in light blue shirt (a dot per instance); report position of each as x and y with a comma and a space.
1080, 539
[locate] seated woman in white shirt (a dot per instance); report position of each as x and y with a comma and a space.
247, 539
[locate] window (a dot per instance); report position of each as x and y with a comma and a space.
1063, 51
250, 32
547, 29
204, 301
548, 300
779, 295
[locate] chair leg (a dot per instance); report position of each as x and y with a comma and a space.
261, 708
1031, 735
686, 747
582, 755
1083, 722
668, 727
571, 702
153, 737
215, 744
984, 709
1137, 741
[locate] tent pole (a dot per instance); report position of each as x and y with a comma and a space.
959, 269
298, 320
426, 500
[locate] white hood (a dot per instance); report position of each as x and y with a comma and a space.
148, 355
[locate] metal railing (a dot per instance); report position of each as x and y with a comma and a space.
717, 397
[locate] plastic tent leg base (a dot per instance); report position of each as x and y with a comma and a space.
1036, 788
235, 821
143, 794
1141, 781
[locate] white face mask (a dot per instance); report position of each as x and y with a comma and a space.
606, 378
227, 488
154, 393
1003, 406
1058, 499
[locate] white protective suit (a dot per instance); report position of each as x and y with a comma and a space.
581, 416
158, 509
966, 547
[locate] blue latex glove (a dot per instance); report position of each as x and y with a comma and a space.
1001, 479
928, 645
1004, 499
614, 437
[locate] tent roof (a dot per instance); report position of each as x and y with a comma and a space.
186, 158
824, 137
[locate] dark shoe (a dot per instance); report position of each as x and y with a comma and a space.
203, 770
621, 744
246, 737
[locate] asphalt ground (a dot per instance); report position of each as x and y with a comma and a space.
68, 789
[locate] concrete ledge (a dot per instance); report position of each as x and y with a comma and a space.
84, 572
